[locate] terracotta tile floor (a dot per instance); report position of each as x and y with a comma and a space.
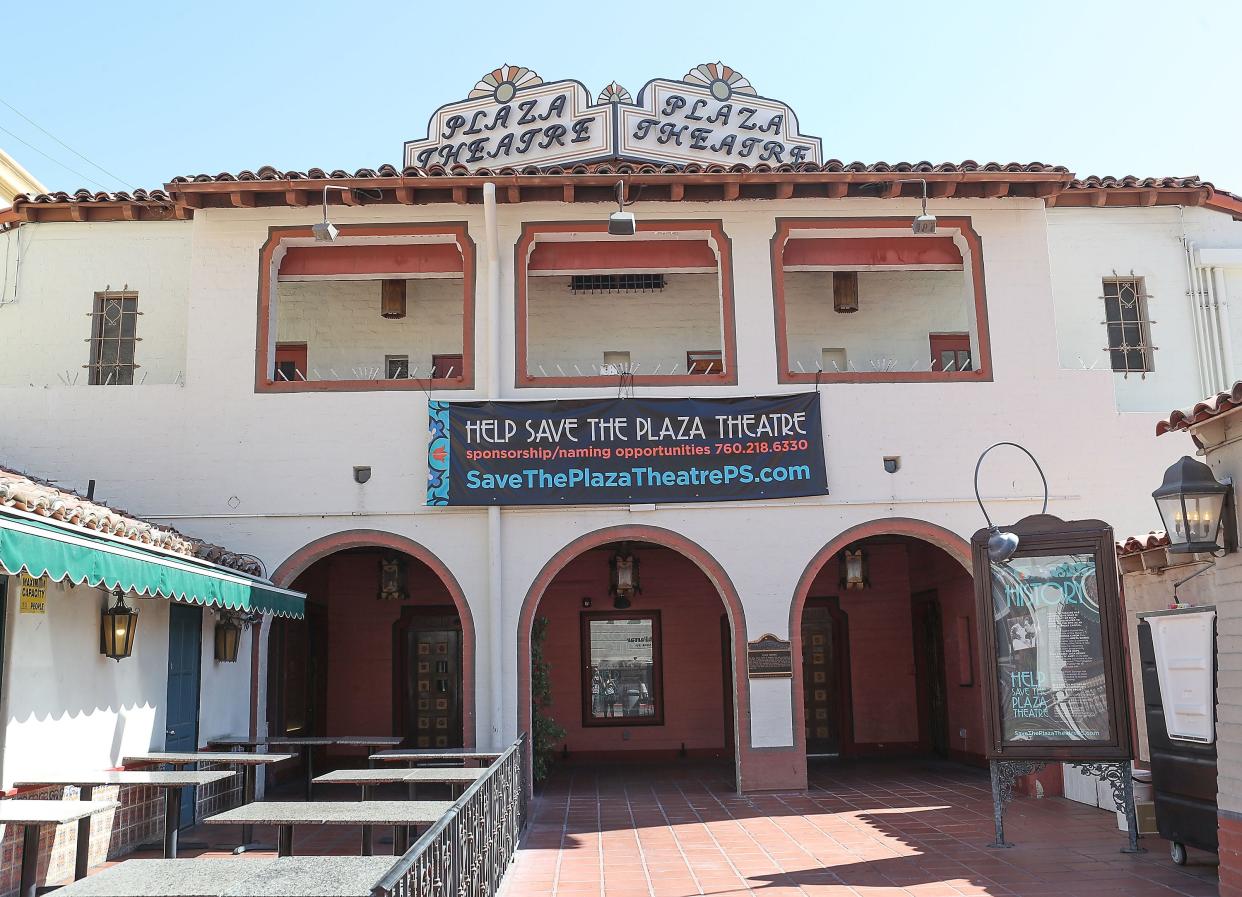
914, 829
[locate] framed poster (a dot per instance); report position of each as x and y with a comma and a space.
1050, 632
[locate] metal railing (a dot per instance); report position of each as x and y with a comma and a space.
466, 853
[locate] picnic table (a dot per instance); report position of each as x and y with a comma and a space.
236, 877
456, 777
32, 815
287, 814
416, 757
171, 783
307, 743
249, 761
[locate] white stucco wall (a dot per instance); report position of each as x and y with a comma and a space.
1087, 245
67, 707
340, 322
896, 313
269, 473
47, 291
657, 329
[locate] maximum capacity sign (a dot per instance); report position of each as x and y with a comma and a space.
623, 451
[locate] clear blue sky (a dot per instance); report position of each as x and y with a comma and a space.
150, 90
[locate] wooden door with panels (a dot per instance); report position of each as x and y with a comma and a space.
826, 678
428, 690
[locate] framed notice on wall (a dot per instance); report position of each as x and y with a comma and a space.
1050, 632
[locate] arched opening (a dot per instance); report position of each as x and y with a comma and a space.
644, 677
387, 647
884, 628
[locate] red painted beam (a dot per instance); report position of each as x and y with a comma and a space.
603, 255
405, 258
861, 251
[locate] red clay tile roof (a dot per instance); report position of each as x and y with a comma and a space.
1205, 410
35, 496
1135, 544
270, 186
622, 166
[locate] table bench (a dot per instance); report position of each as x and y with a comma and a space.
415, 757
32, 815
285, 815
307, 744
170, 783
236, 877
249, 761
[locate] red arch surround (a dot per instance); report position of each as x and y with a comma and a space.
744, 769
946, 540
321, 548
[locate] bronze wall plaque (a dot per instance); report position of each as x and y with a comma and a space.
769, 657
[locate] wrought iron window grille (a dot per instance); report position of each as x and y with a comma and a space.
114, 338
1127, 324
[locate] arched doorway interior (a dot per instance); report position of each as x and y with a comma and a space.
387, 646
650, 677
884, 624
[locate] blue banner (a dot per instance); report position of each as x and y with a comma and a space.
624, 451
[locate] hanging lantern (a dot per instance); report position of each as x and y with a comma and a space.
845, 291
228, 637
392, 299
1191, 502
392, 578
623, 579
117, 626
854, 569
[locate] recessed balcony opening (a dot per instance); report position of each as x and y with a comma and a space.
860, 306
371, 314
653, 308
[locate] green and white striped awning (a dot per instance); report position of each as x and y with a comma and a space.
43, 548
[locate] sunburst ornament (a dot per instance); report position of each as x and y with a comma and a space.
614, 93
502, 84
719, 79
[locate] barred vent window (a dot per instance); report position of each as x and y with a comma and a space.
1129, 331
616, 283
114, 325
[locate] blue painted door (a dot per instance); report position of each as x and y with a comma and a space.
185, 660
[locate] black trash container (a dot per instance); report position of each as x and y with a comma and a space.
1183, 773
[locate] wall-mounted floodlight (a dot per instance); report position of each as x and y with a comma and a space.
326, 231
924, 224
1002, 545
622, 223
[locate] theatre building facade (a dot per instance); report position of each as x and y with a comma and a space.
695, 483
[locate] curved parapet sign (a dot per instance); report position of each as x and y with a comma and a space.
512, 118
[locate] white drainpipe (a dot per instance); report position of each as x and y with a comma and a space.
1220, 292
1210, 329
1196, 321
495, 563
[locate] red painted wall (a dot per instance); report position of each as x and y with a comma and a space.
360, 636
690, 609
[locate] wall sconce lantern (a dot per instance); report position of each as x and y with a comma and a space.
117, 626
854, 569
392, 299
623, 578
228, 637
392, 578
1192, 503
